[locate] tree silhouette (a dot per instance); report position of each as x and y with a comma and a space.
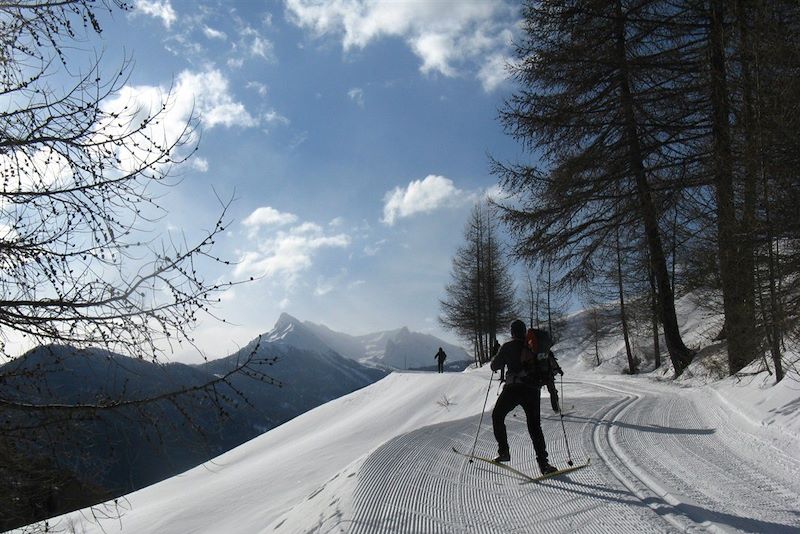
81, 167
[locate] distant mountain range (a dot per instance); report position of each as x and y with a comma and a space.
392, 349
93, 455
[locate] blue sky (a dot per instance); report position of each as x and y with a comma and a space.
353, 135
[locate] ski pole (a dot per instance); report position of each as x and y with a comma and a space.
480, 421
561, 412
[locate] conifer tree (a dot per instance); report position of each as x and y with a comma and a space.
591, 80
479, 300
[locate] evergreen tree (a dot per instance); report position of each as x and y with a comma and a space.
592, 81
480, 298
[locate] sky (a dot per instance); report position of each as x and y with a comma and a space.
353, 137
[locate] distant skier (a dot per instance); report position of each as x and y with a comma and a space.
554, 369
440, 358
522, 388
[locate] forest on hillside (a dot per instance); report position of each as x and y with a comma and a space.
662, 159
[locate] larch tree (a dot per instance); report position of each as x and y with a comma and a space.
591, 77
479, 300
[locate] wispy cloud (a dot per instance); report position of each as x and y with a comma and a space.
204, 96
356, 94
268, 216
326, 285
210, 91
284, 253
211, 33
253, 43
258, 87
493, 73
422, 196
161, 9
199, 164
446, 36
273, 117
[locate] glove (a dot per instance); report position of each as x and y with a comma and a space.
560, 372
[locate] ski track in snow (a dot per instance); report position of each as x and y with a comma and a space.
660, 464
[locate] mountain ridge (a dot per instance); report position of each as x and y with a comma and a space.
125, 449
395, 349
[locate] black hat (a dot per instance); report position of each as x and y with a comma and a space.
517, 329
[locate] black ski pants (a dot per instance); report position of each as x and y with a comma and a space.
514, 395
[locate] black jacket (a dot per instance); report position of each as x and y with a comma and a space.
508, 356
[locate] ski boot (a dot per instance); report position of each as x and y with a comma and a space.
546, 468
503, 456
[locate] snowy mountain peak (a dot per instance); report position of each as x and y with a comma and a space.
290, 331
286, 320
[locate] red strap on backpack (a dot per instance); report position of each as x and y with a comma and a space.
532, 340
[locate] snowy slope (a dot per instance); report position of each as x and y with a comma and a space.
666, 456
378, 460
250, 486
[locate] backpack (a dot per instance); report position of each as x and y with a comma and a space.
535, 356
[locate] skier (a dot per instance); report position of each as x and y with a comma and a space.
551, 380
520, 389
441, 357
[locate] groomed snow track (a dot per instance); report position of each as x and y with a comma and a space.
660, 464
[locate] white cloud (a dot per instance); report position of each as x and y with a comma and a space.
298, 139
162, 117
492, 74
327, 284
211, 33
372, 250
268, 216
256, 44
210, 92
206, 94
422, 196
356, 94
273, 117
259, 87
158, 9
286, 253
446, 36
198, 163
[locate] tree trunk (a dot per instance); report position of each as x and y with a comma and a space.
737, 304
622, 315
596, 339
531, 305
746, 243
549, 290
654, 315
775, 324
680, 355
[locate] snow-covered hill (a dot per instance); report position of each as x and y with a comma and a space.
392, 349
666, 456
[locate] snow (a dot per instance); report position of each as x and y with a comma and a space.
699, 454
259, 480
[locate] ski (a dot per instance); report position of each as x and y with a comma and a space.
560, 472
528, 478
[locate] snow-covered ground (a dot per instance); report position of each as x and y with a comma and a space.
693, 455
664, 457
